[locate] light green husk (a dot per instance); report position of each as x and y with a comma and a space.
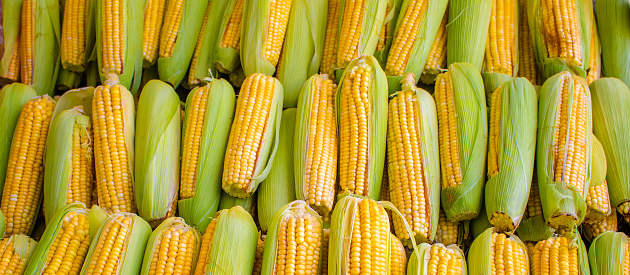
249, 203
389, 25
2, 223
96, 217
89, 36
479, 224
598, 177
92, 78
220, 105
152, 244
419, 260
278, 188
11, 20
534, 228
67, 80
225, 60
480, 254
46, 55
468, 31
607, 254
157, 152
506, 191
303, 46
204, 48
613, 26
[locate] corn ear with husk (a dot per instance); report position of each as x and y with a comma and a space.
501, 49
278, 188
428, 259
302, 50
564, 153
385, 38
9, 45
249, 203
201, 64
527, 67
468, 31
463, 130
560, 254
416, 28
609, 254
533, 226
361, 112
77, 35
613, 26
226, 47
594, 70
209, 115
497, 253
229, 244
561, 35
295, 232
597, 200
16, 250
590, 231
172, 247
611, 100
157, 148
511, 152
182, 24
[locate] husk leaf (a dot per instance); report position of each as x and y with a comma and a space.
613, 26
607, 253
468, 31
225, 60
10, 32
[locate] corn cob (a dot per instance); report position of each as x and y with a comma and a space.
15, 253
609, 97
597, 199
413, 38
182, 24
385, 37
361, 112
559, 255
77, 34
278, 188
609, 254
10, 19
564, 149
397, 256
501, 57
437, 259
227, 48
294, 240
302, 50
413, 161
447, 232
152, 27
158, 145
329, 52
254, 135
39, 44
533, 227
201, 63
264, 27
462, 126
593, 72
526, 58
590, 231
229, 244
561, 32
613, 27
113, 114
118, 246
359, 224
209, 114
436, 61
260, 249
468, 31
173, 248
12, 99
511, 151
315, 157
497, 253
21, 195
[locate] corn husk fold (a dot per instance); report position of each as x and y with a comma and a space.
607, 254
225, 59
613, 26
278, 188
419, 259
480, 254
10, 11
158, 233
468, 31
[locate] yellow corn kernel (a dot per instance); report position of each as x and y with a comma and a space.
595, 59
113, 36
369, 231
174, 252
444, 261
562, 30
325, 240
447, 232
449, 150
350, 33
298, 243
508, 257
13, 73
206, 244
15, 252
527, 60
192, 79
597, 198
153, 18
82, 179
110, 246
27, 41
168, 36
534, 206
555, 256
277, 28
330, 40
71, 244
592, 230
501, 42
397, 257
191, 144
260, 248
405, 37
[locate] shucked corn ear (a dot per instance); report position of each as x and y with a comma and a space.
611, 99
329, 52
597, 199
118, 246
413, 161
12, 99
40, 35
500, 61
590, 231
613, 27
278, 188
302, 50
157, 146
609, 254
359, 225
254, 135
315, 149
498, 253
22, 191
361, 110
416, 29
527, 67
9, 45
173, 248
229, 244
436, 61
264, 27
511, 152
64, 244
113, 116
226, 47
209, 115
182, 24
533, 226
563, 157
428, 259
77, 34
463, 130
154, 11
561, 35
594, 70
468, 31
559, 255
294, 241
202, 59
16, 252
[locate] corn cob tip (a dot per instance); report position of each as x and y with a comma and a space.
111, 79
408, 82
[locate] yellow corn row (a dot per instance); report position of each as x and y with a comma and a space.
498, 253
260, 249
527, 67
15, 252
447, 232
593, 72
592, 230
437, 259
597, 199
173, 248
9, 44
559, 255
397, 257
152, 27
77, 34
329, 53
436, 61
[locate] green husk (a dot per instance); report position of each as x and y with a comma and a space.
419, 52
419, 259
506, 190
479, 224
299, 210
157, 152
76, 97
551, 66
97, 217
611, 103
133, 247
152, 244
224, 59
463, 201
534, 228
389, 26
377, 134
249, 203
278, 188
607, 254
11, 13
47, 27
563, 205
598, 177
303, 46
613, 26
481, 252
12, 99
220, 105
92, 78
173, 69
67, 80
468, 31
